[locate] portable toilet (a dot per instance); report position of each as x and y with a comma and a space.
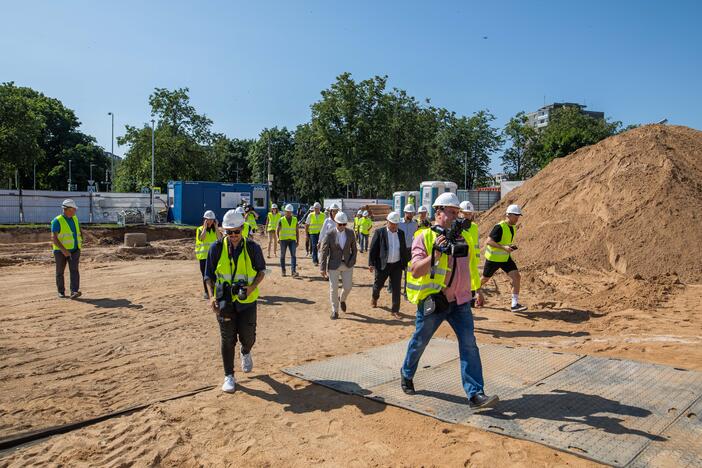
450, 186
413, 199
429, 190
398, 201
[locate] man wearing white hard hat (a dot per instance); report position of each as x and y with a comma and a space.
423, 220
205, 235
289, 238
439, 285
471, 237
498, 253
329, 224
364, 229
409, 227
66, 242
235, 268
337, 258
387, 257
272, 220
313, 225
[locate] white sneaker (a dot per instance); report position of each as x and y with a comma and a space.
229, 384
246, 362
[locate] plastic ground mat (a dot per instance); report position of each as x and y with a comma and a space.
618, 412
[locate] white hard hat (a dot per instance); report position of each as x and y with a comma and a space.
360, 213
423, 209
447, 199
68, 203
240, 210
316, 205
393, 217
467, 206
289, 208
334, 206
232, 220
365, 213
209, 214
514, 209
341, 218
409, 208
274, 206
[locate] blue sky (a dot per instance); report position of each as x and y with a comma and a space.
251, 65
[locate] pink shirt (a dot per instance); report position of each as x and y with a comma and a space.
459, 290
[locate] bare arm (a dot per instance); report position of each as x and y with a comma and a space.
494, 244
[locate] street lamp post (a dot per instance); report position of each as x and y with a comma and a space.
465, 170
112, 153
69, 175
91, 170
153, 169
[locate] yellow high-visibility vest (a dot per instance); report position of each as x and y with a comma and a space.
316, 222
420, 288
273, 221
498, 255
65, 235
202, 247
471, 237
288, 229
244, 270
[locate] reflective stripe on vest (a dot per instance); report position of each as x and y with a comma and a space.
498, 255
288, 229
65, 235
244, 271
316, 222
202, 247
420, 288
273, 221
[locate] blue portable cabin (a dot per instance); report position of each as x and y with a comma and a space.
188, 200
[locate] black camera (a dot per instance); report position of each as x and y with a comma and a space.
455, 244
239, 288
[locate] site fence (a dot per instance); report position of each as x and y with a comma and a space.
41, 206
481, 199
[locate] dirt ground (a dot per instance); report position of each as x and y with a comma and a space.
142, 332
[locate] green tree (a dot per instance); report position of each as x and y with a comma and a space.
280, 144
520, 161
313, 176
568, 130
231, 159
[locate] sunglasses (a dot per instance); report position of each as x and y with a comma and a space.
341, 224
230, 232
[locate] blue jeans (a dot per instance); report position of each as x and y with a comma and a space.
292, 245
460, 318
363, 238
314, 239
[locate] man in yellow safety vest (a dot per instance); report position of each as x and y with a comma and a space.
66, 242
289, 238
313, 225
498, 253
440, 287
206, 235
471, 237
234, 270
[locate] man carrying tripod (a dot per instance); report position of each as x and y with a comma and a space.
235, 267
439, 284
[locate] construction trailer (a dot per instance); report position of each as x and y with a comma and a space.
188, 200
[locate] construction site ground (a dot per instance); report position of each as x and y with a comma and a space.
142, 333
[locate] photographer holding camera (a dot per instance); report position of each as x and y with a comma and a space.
235, 267
438, 281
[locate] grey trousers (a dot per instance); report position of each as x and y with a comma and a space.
346, 280
72, 262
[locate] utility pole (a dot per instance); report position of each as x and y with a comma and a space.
153, 166
270, 176
69, 175
112, 154
35, 175
465, 170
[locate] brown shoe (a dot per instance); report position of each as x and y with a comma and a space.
374, 302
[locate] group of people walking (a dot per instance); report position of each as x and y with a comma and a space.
405, 250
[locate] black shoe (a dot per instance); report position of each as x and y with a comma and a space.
407, 385
519, 308
283, 273
480, 400
343, 306
334, 316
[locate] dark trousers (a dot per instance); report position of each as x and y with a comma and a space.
240, 326
314, 240
72, 262
394, 272
203, 262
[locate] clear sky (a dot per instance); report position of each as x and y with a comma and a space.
257, 64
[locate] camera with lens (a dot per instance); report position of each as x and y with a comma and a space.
225, 293
455, 244
239, 288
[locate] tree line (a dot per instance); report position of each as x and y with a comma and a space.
362, 140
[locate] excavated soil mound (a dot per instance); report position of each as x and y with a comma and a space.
629, 204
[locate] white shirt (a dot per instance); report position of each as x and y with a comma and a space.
341, 238
327, 226
393, 247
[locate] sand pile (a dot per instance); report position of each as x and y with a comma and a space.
629, 204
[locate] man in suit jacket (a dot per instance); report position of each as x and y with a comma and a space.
338, 256
387, 257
